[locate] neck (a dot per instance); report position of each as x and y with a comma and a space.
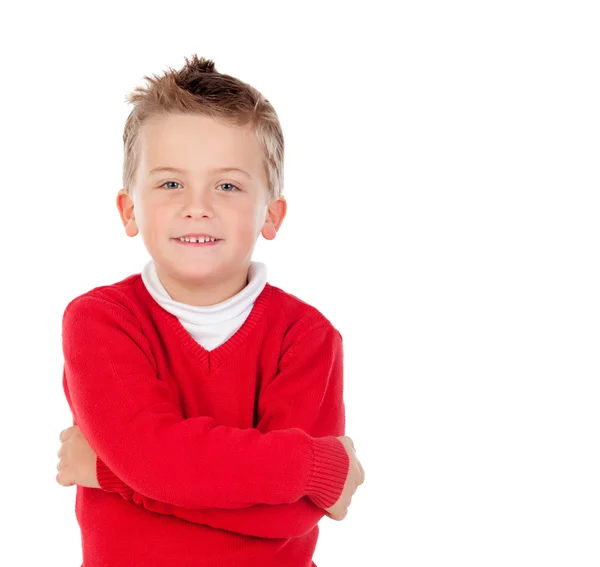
202, 292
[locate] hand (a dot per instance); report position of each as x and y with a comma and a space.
77, 463
356, 476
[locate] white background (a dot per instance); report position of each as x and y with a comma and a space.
442, 167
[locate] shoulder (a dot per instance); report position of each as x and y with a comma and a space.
120, 297
300, 319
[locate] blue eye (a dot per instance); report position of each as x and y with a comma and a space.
169, 182
237, 188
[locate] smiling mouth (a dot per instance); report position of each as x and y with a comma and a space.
206, 244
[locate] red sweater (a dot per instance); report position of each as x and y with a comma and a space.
205, 458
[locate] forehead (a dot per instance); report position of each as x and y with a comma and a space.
198, 143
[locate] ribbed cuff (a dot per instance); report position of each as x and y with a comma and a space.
329, 471
109, 482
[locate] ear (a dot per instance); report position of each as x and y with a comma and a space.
276, 210
125, 206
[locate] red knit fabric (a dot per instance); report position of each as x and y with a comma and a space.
215, 458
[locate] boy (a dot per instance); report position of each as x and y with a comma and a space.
207, 403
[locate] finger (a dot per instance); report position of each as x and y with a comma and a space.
68, 432
362, 472
60, 480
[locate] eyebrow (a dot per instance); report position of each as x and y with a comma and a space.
215, 170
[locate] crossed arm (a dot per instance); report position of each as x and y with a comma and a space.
275, 479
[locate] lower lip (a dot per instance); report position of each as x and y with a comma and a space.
197, 244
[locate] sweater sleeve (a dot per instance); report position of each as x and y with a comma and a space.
306, 393
128, 418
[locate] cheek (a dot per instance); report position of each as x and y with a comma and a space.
155, 217
154, 222
245, 220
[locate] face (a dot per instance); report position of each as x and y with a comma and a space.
201, 197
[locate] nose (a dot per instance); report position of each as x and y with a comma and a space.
198, 203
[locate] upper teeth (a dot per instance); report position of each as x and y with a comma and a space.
192, 239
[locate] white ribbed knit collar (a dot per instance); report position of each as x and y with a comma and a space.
194, 315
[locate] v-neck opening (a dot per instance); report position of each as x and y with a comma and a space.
211, 359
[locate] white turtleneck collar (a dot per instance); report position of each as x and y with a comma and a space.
210, 325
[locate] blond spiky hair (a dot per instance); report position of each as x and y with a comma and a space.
197, 88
